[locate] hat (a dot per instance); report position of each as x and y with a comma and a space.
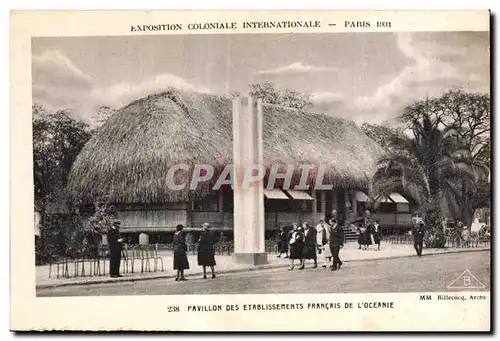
207, 225
116, 223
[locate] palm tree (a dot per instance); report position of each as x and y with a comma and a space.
432, 168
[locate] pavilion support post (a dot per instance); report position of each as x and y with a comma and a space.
314, 208
249, 224
335, 205
221, 208
323, 204
354, 202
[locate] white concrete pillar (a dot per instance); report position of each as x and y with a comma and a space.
249, 224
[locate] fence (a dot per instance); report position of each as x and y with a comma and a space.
95, 262
89, 262
222, 248
472, 242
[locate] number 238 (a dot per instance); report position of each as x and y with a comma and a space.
173, 309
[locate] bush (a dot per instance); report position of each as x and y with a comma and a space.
63, 231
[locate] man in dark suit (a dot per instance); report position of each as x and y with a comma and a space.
336, 242
418, 237
115, 249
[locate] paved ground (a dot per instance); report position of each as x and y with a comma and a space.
224, 264
432, 273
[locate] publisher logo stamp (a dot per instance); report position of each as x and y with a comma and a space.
466, 281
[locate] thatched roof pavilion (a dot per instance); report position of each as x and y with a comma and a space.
128, 158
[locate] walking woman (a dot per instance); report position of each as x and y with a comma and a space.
206, 253
181, 262
309, 250
283, 242
296, 245
322, 239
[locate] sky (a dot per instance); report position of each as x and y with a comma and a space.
365, 77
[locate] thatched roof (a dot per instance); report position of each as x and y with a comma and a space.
128, 158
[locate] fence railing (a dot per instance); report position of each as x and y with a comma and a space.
222, 248
94, 262
472, 242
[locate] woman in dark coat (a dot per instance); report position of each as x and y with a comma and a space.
181, 262
206, 253
283, 242
296, 245
310, 246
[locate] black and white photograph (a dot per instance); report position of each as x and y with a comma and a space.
179, 159
400, 124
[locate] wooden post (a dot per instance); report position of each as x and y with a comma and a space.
354, 202
314, 207
221, 207
334, 200
189, 214
323, 204
346, 198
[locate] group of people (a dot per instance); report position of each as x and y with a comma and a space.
368, 232
306, 243
301, 243
206, 252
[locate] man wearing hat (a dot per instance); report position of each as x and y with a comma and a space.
418, 237
336, 243
115, 249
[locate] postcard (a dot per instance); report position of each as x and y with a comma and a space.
250, 171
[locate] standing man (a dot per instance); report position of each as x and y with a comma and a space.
333, 215
115, 249
418, 235
336, 243
366, 235
377, 234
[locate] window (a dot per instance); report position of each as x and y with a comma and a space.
210, 203
308, 206
228, 203
403, 207
386, 207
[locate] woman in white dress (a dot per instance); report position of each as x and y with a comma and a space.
322, 240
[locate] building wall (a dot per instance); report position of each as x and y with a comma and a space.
147, 218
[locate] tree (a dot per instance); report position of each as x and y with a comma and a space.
57, 140
468, 115
382, 133
286, 98
103, 113
430, 166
